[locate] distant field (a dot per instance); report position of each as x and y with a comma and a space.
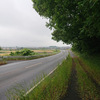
6, 53
48, 51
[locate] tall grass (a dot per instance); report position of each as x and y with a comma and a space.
87, 89
91, 65
54, 86
36, 56
3, 62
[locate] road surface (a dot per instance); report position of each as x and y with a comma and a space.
25, 71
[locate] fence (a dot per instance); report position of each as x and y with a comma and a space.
23, 57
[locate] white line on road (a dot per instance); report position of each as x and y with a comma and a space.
40, 81
20, 69
33, 65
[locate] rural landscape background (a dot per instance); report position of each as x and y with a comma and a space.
50, 50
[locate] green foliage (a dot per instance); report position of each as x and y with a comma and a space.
87, 88
2, 62
74, 21
23, 52
0, 48
26, 52
12, 54
92, 65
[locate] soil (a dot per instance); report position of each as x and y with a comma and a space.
72, 91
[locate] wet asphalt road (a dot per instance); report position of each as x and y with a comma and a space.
25, 71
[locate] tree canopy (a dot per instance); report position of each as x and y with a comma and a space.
0, 48
75, 22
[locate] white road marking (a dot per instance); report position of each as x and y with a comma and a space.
40, 81
10, 64
33, 65
20, 69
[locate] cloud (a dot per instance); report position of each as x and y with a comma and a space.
20, 25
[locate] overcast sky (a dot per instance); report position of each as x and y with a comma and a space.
20, 25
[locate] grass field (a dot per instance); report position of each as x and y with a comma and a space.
37, 54
87, 82
91, 66
3, 62
7, 52
41, 51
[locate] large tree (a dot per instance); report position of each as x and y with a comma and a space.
0, 48
76, 22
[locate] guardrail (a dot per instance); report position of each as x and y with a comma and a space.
23, 57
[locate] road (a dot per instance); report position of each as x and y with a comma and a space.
25, 71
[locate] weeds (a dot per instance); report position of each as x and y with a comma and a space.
3, 62
91, 65
87, 89
54, 87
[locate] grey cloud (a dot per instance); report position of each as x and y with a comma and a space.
20, 25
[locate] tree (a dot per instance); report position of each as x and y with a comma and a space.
12, 54
74, 22
23, 52
0, 48
26, 52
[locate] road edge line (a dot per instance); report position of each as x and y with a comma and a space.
40, 81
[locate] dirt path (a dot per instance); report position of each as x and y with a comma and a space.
72, 91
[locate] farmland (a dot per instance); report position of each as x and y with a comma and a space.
7, 57
7, 52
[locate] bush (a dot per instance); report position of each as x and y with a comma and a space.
0, 48
23, 52
26, 52
11, 54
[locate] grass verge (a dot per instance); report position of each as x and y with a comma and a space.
87, 88
91, 65
3, 62
29, 57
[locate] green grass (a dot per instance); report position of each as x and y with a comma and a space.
2, 52
54, 86
3, 62
36, 56
30, 58
87, 89
88, 70
91, 65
